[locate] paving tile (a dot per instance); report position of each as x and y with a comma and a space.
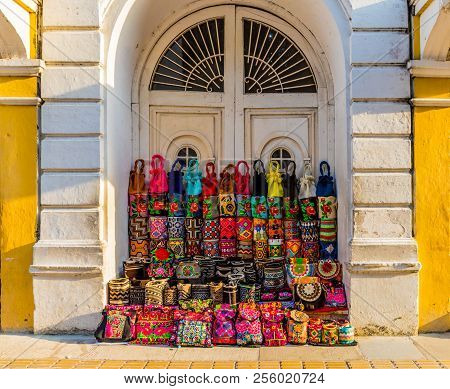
269, 365
388, 348
13, 346
224, 365
434, 346
424, 364
247, 365
446, 364
382, 364
217, 354
132, 352
179, 365
359, 364
157, 365
202, 365
405, 365
309, 353
313, 365
336, 365
291, 365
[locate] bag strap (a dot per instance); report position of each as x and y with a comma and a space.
178, 164
226, 179
291, 167
327, 168
242, 180
210, 170
157, 161
137, 178
258, 167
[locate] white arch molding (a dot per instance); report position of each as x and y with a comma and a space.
134, 28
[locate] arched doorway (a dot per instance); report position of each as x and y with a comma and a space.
234, 82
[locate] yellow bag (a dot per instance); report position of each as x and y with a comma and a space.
274, 180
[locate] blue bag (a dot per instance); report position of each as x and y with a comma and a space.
193, 179
325, 184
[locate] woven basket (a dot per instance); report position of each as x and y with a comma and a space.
171, 296
154, 292
200, 292
249, 293
230, 294
119, 291
184, 291
137, 295
216, 292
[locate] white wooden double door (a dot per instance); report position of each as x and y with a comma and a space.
231, 121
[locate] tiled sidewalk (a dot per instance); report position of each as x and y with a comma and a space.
29, 351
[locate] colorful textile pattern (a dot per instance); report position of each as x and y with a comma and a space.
193, 227
272, 325
184, 291
227, 228
115, 325
194, 333
308, 209
157, 243
227, 204
291, 229
296, 268
275, 210
196, 305
315, 331
328, 231
176, 227
244, 205
260, 229
224, 330
327, 208
327, 269
187, 270
157, 204
293, 248
328, 250
161, 264
138, 205
330, 334
291, 208
309, 292
309, 231
259, 207
155, 325
158, 227
227, 248
210, 207
261, 248
211, 229
139, 248
245, 249
275, 248
211, 248
177, 248
248, 325
310, 250
335, 295
138, 228
244, 227
273, 279
176, 206
297, 327
193, 207
275, 230
193, 247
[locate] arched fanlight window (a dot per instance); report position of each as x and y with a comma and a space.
282, 156
273, 63
194, 61
187, 153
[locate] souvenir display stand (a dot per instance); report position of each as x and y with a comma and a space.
244, 258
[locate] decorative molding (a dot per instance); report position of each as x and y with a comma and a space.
71, 271
429, 102
21, 67
379, 251
30, 101
429, 68
367, 267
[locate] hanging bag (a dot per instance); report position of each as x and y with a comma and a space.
259, 197
275, 188
242, 180
307, 182
137, 198
136, 184
226, 192
176, 206
210, 185
325, 184
193, 178
158, 176
290, 201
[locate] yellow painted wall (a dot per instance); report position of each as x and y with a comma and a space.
18, 203
432, 188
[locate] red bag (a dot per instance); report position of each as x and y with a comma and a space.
226, 185
158, 177
210, 185
242, 181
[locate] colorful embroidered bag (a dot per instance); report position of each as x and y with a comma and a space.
161, 265
210, 185
308, 209
296, 268
224, 330
259, 207
335, 295
158, 227
176, 204
156, 325
193, 178
275, 208
116, 326
248, 325
210, 207
328, 269
194, 328
325, 184
328, 251
297, 327
307, 182
327, 208
226, 192
309, 291
272, 316
188, 270
275, 188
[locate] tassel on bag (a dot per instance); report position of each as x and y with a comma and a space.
275, 189
307, 182
325, 184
